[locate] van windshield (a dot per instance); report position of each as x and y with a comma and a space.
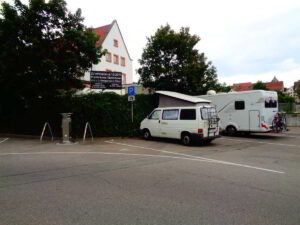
207, 113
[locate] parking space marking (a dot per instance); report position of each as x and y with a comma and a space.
199, 158
191, 158
5, 139
260, 142
102, 153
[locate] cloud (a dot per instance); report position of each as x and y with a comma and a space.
288, 71
250, 40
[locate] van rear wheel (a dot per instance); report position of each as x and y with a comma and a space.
146, 134
186, 139
231, 130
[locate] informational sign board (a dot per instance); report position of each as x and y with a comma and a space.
131, 98
131, 91
106, 80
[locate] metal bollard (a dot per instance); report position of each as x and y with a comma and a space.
66, 127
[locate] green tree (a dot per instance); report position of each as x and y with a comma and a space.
223, 87
285, 98
44, 48
259, 85
171, 62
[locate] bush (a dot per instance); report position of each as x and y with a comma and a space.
108, 113
285, 98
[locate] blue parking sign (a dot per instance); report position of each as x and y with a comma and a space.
131, 91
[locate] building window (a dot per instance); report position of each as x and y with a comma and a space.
108, 57
116, 43
116, 59
123, 63
123, 78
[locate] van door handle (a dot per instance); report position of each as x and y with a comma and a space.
158, 121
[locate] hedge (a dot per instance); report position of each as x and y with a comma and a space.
108, 113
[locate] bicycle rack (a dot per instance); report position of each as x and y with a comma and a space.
87, 125
43, 131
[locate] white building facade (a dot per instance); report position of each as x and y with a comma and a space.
117, 58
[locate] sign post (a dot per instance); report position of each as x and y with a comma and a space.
131, 98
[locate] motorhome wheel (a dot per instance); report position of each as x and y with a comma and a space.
231, 130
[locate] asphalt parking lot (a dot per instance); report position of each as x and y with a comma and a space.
235, 180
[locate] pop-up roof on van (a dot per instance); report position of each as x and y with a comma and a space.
169, 98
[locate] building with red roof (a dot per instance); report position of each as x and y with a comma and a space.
117, 58
242, 86
274, 85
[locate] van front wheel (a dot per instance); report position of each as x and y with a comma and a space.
186, 139
146, 134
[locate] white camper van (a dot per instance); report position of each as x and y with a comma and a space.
185, 123
247, 111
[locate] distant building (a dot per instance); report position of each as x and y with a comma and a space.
274, 80
117, 58
274, 85
242, 86
290, 91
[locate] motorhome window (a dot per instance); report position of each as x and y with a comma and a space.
188, 114
155, 115
239, 105
207, 113
271, 103
170, 114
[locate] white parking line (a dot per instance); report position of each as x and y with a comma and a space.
5, 139
147, 155
260, 142
199, 158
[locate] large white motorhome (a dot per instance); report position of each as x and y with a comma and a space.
246, 111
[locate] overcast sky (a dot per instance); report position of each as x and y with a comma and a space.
245, 40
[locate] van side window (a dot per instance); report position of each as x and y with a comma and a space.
188, 114
155, 115
239, 105
170, 114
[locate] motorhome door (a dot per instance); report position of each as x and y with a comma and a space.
254, 120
